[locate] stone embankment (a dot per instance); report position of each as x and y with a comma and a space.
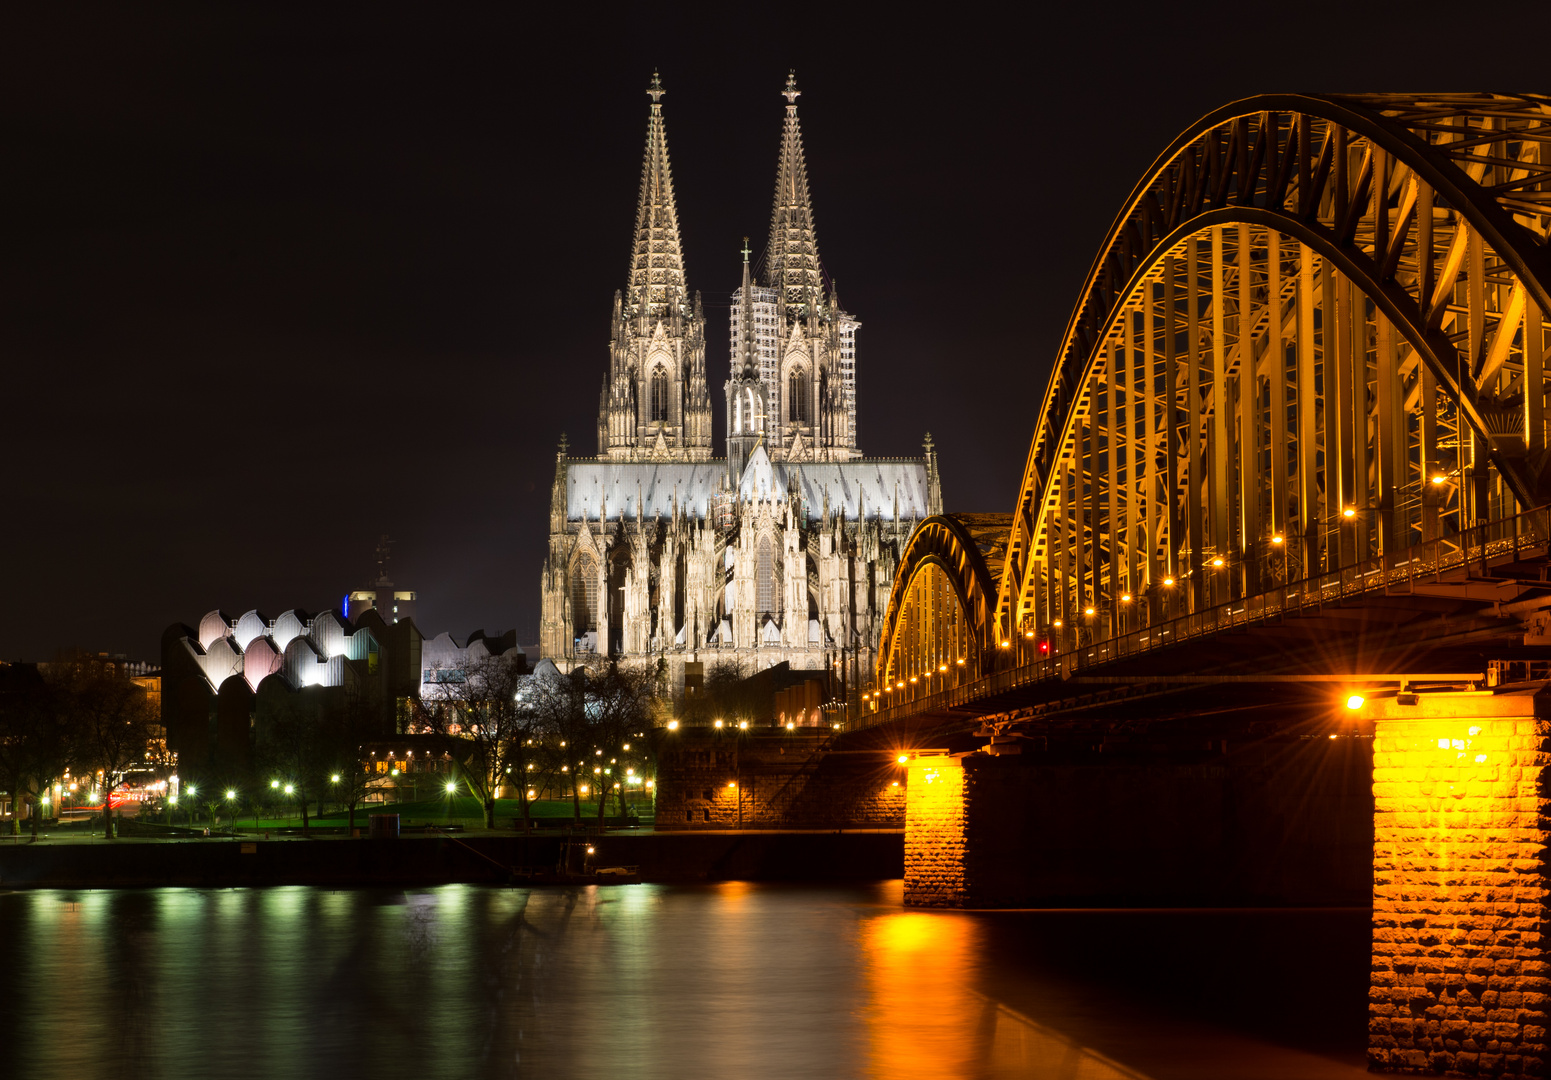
496, 859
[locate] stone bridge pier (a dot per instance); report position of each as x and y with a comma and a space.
1432, 807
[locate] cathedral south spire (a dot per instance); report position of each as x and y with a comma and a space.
655, 403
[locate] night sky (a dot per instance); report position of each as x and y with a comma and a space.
275, 281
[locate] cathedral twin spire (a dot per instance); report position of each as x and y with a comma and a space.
795, 342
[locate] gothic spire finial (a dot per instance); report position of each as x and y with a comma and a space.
791, 93
564, 445
655, 91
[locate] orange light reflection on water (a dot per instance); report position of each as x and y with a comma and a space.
925, 1016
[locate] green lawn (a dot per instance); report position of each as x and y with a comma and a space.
460, 810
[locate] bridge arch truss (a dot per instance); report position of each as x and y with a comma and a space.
1314, 335
937, 629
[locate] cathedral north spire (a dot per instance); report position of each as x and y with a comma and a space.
657, 261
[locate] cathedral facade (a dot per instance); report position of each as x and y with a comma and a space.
781, 549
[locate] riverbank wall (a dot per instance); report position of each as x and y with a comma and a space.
435, 860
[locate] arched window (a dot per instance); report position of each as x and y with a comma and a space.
659, 394
749, 411
766, 590
584, 595
797, 395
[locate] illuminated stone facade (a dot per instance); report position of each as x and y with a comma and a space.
935, 833
782, 551
1459, 890
708, 779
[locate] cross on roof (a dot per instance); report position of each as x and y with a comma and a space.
791, 93
655, 91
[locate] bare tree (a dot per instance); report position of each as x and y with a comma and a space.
349, 722
476, 709
295, 746
587, 716
109, 719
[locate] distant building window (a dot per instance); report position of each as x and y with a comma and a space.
659, 395
798, 401
584, 595
766, 578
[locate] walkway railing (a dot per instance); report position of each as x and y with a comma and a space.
1504, 540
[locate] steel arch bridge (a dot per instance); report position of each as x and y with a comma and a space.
1309, 355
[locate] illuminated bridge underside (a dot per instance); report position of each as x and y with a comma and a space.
1314, 337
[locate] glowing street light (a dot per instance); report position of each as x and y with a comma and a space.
904, 759
1354, 702
290, 789
451, 786
673, 725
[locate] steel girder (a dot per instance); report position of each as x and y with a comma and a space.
1310, 309
940, 608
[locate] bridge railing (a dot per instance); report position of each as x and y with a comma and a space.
1504, 540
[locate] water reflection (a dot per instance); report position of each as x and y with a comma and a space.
925, 1017
729, 980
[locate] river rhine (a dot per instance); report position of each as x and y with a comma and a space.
723, 980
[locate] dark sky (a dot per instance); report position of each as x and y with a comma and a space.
275, 280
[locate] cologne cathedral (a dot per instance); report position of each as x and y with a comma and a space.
783, 548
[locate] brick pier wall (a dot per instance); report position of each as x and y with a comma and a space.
1460, 889
1273, 823
779, 781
